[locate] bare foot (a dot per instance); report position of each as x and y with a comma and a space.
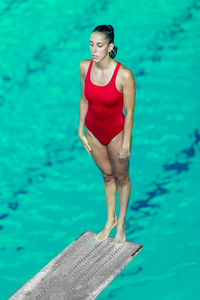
120, 236
103, 234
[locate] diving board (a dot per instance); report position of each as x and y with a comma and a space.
81, 271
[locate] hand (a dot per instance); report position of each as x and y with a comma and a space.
123, 154
85, 143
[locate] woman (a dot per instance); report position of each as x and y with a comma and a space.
107, 86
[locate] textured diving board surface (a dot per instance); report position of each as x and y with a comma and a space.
80, 271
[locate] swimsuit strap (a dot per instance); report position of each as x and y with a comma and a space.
88, 71
90, 66
115, 72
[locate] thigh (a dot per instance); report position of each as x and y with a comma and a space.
99, 154
119, 168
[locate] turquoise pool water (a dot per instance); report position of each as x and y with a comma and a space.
50, 189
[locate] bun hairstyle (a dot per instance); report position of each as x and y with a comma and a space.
108, 30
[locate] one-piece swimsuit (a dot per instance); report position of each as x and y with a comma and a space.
104, 118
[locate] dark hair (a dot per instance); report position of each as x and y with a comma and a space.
108, 30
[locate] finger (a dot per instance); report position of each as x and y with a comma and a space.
88, 150
121, 158
87, 145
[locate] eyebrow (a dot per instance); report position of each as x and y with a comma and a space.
97, 43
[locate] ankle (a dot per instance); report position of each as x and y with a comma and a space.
111, 219
121, 222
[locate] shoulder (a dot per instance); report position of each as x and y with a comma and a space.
126, 78
126, 73
83, 66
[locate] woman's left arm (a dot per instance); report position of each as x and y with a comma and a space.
128, 83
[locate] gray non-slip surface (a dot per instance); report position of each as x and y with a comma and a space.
80, 271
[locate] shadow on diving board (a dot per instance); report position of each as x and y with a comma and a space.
80, 271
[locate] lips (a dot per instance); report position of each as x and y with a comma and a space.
94, 56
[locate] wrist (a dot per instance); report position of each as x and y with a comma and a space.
80, 133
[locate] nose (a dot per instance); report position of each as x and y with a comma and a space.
94, 48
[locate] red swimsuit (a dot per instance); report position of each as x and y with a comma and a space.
105, 118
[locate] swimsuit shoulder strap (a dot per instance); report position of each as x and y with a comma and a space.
115, 72
90, 66
89, 69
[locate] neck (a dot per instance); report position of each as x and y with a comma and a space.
104, 63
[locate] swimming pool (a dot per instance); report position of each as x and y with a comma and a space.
50, 189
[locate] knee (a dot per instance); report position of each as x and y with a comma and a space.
123, 179
108, 177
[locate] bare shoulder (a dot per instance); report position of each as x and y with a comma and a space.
84, 64
126, 75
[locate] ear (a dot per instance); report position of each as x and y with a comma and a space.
111, 46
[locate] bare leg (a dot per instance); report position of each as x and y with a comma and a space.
110, 187
124, 191
121, 171
102, 160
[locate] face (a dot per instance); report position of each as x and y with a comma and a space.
99, 46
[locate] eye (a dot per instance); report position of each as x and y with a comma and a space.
98, 45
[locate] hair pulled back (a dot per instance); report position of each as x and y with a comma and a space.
108, 30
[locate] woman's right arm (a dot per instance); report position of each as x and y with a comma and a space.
83, 109
83, 102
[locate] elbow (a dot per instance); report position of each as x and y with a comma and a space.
84, 100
